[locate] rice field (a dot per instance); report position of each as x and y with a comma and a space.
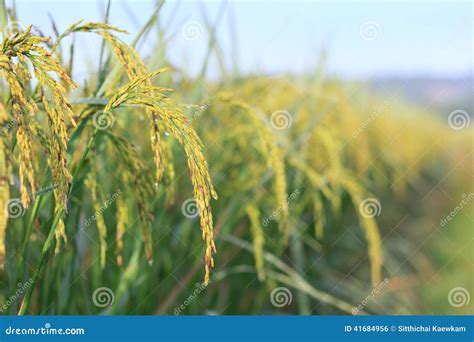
146, 191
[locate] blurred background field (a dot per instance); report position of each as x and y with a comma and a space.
338, 137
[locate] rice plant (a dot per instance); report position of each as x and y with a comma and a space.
308, 191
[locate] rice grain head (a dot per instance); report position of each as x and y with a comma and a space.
257, 238
17, 52
5, 179
137, 93
91, 184
368, 224
273, 155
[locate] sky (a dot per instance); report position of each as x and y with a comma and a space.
361, 38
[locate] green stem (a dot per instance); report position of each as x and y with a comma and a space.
47, 244
81, 162
29, 228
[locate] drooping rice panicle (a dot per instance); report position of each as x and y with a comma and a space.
169, 171
319, 218
27, 48
137, 92
367, 223
122, 221
91, 184
5, 179
332, 163
318, 183
133, 171
258, 239
21, 109
134, 67
271, 152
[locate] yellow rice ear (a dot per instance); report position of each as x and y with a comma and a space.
369, 226
273, 155
5, 174
122, 221
29, 50
257, 238
137, 92
91, 184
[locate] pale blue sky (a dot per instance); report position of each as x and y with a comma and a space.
411, 38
